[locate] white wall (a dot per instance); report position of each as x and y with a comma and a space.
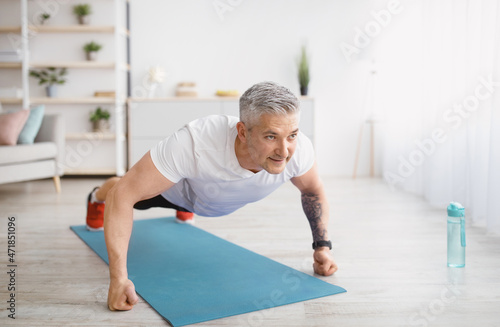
260, 40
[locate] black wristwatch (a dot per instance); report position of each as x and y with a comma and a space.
319, 244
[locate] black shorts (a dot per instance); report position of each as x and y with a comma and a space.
157, 201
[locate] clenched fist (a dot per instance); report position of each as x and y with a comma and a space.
323, 262
121, 295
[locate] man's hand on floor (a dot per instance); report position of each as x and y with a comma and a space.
323, 262
121, 295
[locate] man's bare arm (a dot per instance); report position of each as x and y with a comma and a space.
317, 211
142, 181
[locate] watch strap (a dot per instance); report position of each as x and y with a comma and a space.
318, 244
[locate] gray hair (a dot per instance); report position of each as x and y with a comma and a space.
267, 98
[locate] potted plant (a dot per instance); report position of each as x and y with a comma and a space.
91, 49
83, 11
50, 76
43, 18
303, 68
100, 120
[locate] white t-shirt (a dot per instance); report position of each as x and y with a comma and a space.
201, 160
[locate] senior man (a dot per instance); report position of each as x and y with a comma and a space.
211, 167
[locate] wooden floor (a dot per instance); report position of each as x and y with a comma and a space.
390, 247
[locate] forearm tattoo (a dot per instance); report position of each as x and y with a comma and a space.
313, 210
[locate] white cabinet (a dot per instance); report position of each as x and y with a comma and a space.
151, 120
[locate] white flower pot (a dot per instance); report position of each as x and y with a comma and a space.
84, 20
91, 56
101, 125
51, 91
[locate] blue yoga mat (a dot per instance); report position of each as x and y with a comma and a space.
188, 275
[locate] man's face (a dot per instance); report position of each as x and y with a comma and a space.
272, 141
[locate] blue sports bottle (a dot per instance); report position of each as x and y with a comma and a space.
456, 235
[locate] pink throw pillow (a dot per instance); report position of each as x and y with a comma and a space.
11, 125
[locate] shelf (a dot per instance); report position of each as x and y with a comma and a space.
10, 65
197, 98
74, 64
91, 136
108, 171
90, 100
73, 29
11, 101
78, 29
69, 29
68, 64
168, 99
10, 29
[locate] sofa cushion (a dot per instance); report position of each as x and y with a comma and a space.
27, 152
11, 125
32, 126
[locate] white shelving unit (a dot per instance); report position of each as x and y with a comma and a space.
59, 44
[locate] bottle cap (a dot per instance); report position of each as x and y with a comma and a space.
455, 209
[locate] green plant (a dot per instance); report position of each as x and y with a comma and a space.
92, 47
82, 10
99, 114
303, 67
44, 17
50, 76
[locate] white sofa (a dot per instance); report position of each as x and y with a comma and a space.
42, 159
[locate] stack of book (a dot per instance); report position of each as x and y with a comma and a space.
11, 55
186, 89
105, 94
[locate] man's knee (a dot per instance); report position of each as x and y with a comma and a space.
103, 191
